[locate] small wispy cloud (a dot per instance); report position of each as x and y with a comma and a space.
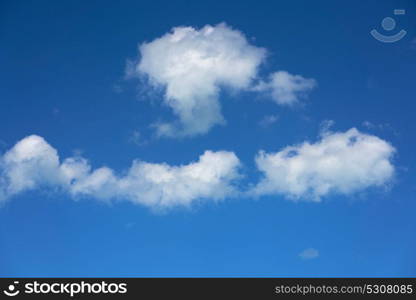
369, 125
137, 138
340, 162
286, 88
268, 120
309, 253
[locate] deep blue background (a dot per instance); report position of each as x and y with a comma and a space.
62, 69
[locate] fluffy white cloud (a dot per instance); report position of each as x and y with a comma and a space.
33, 163
286, 88
193, 64
342, 162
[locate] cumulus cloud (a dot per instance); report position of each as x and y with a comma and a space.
30, 163
137, 138
286, 88
341, 162
193, 65
413, 44
309, 253
33, 163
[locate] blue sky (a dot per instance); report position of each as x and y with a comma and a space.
72, 75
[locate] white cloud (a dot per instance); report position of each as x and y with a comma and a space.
309, 253
325, 126
193, 65
413, 44
286, 88
342, 162
268, 120
32, 163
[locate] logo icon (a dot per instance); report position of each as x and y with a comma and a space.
389, 24
11, 289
